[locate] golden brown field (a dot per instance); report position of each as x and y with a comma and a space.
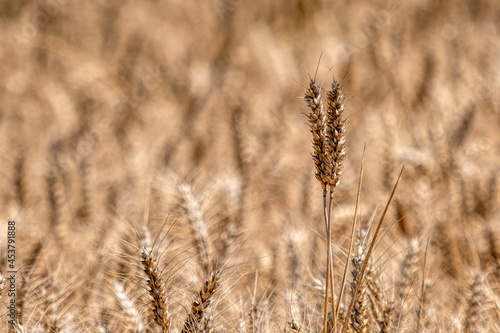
156, 160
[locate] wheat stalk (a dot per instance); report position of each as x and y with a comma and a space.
328, 132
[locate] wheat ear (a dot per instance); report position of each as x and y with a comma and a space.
50, 308
317, 124
197, 224
408, 269
199, 306
473, 313
335, 134
133, 319
407, 275
381, 309
359, 315
156, 286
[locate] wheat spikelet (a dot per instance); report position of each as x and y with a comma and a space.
408, 274
381, 309
335, 134
198, 227
408, 270
207, 324
359, 314
50, 307
473, 320
156, 286
199, 306
317, 124
253, 319
133, 319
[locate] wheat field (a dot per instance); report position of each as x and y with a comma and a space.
159, 170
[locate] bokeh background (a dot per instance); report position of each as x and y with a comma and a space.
107, 106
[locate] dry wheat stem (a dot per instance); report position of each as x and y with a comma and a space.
328, 259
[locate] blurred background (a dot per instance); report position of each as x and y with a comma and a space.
107, 105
